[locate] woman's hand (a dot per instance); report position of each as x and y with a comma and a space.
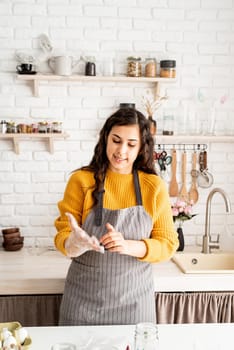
114, 241
79, 241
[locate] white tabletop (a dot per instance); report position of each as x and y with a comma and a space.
176, 337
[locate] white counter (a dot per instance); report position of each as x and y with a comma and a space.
24, 273
176, 337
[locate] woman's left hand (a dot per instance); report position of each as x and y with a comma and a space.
113, 241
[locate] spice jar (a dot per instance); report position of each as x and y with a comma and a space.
168, 69
150, 67
57, 127
168, 124
134, 67
42, 127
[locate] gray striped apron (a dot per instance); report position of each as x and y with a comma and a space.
110, 288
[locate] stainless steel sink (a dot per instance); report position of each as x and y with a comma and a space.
204, 263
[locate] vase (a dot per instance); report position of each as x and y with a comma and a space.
153, 125
180, 238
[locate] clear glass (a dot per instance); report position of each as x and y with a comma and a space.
168, 124
146, 336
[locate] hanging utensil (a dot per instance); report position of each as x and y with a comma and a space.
193, 193
173, 186
183, 192
205, 179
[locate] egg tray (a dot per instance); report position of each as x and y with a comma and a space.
12, 327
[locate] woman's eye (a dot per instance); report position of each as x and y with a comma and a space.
116, 141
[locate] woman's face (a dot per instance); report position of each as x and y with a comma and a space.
123, 145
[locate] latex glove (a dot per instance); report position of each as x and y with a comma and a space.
79, 241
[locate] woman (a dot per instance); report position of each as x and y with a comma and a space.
119, 203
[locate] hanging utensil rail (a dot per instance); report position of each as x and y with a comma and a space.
182, 146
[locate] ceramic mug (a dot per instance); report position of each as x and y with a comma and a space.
63, 65
90, 69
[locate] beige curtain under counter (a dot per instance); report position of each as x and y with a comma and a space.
30, 310
195, 307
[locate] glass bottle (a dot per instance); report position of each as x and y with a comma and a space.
168, 124
146, 336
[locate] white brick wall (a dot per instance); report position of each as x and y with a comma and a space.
198, 34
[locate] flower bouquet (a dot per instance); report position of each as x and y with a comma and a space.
182, 211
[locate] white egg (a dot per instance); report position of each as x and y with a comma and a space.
9, 341
21, 334
5, 333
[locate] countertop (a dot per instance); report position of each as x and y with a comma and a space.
44, 272
177, 337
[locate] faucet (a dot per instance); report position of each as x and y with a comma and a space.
207, 241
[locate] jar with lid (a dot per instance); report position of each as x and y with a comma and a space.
168, 69
168, 124
146, 336
134, 68
150, 67
57, 127
42, 127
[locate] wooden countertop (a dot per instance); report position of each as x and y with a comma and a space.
25, 273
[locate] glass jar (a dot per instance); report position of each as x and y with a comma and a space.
168, 124
42, 127
146, 336
150, 67
57, 127
168, 69
134, 67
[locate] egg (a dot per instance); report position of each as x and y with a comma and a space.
9, 341
5, 333
21, 334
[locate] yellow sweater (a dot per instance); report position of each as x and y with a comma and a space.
119, 194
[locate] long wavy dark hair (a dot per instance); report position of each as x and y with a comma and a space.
144, 161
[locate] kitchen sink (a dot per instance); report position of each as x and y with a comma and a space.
190, 262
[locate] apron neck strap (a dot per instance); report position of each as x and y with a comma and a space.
99, 206
137, 187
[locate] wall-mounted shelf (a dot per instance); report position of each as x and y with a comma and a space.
203, 139
16, 138
37, 78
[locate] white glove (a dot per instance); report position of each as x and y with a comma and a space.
79, 241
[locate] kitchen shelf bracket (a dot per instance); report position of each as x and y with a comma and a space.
50, 138
37, 78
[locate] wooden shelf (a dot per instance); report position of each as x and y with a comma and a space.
37, 78
181, 139
16, 138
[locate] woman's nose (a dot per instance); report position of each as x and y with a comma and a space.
122, 149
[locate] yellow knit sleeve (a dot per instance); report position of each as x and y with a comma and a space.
163, 242
77, 195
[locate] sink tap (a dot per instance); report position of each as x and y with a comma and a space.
207, 241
